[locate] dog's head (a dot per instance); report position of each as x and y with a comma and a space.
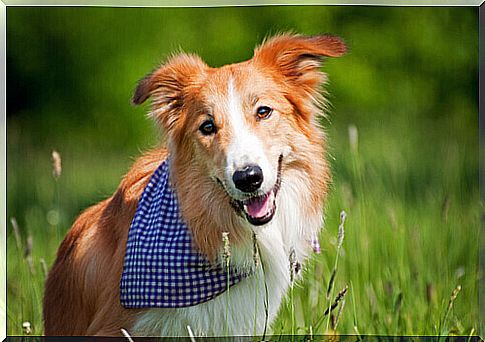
242, 123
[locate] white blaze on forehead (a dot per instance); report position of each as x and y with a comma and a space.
245, 147
241, 136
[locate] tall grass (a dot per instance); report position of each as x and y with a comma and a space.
405, 246
227, 264
410, 236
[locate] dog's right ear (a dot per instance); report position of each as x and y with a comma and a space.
299, 58
168, 85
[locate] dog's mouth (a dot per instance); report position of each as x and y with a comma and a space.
259, 209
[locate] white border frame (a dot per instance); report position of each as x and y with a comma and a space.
3, 171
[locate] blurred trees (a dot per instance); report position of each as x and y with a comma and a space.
409, 84
71, 71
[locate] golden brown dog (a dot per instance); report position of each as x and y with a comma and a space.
248, 158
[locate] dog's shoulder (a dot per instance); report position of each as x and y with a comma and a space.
135, 180
110, 219
118, 211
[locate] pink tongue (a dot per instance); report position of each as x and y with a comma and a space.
260, 207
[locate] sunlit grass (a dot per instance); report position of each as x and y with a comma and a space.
410, 236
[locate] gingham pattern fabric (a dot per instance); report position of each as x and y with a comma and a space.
161, 268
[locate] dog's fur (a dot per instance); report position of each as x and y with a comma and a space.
82, 290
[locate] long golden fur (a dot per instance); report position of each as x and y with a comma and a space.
82, 289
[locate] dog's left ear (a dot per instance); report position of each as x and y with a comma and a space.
299, 57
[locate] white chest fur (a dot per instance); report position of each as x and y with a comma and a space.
241, 309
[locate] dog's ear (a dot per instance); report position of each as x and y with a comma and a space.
299, 57
168, 85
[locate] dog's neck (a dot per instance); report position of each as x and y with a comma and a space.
208, 212
290, 229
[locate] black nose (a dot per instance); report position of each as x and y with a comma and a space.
248, 178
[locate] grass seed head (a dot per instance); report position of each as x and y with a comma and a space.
27, 328
337, 300
28, 246
454, 294
353, 138
56, 164
255, 250
341, 229
292, 261
315, 244
227, 247
28, 254
16, 232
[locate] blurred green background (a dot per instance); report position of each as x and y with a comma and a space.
408, 88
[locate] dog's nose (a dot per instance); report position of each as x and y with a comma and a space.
248, 178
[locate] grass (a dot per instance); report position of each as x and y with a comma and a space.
401, 257
408, 262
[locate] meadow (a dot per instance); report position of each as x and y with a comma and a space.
402, 132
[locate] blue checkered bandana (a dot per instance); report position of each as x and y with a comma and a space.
162, 269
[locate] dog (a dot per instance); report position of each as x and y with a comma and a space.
244, 162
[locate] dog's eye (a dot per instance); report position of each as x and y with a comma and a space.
264, 112
208, 127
